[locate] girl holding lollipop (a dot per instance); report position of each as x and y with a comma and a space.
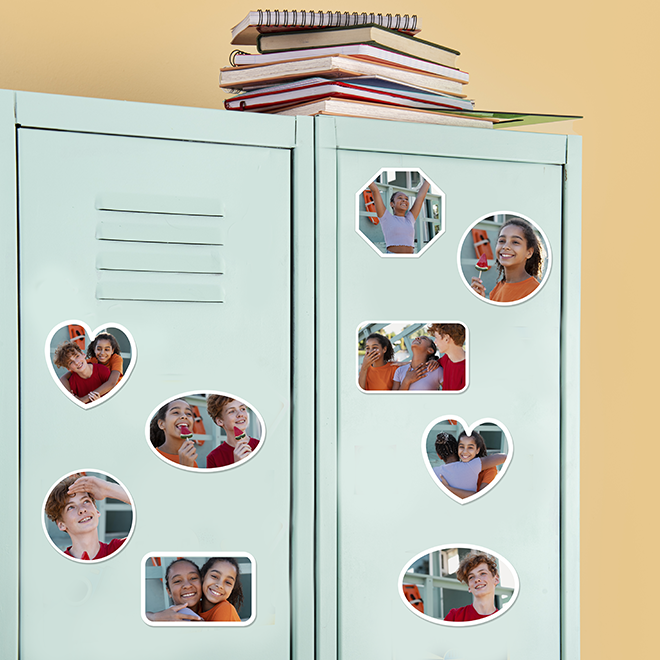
519, 256
169, 432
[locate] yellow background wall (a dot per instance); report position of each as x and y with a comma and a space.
584, 58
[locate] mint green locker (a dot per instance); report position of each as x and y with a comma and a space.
378, 505
178, 225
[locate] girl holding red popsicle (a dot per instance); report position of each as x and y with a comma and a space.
170, 434
233, 416
519, 258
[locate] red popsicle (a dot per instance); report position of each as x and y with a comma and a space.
482, 264
240, 435
185, 432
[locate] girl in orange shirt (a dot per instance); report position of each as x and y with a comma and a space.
377, 368
519, 256
222, 593
105, 350
168, 432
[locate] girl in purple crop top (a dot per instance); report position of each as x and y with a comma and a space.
398, 225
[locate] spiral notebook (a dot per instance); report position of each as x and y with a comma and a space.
263, 21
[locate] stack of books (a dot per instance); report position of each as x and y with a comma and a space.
364, 65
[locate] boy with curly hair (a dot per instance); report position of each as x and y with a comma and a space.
86, 381
71, 505
233, 416
479, 571
449, 339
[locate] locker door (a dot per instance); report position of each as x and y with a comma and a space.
187, 245
388, 510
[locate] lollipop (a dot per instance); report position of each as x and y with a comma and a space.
185, 432
240, 435
482, 264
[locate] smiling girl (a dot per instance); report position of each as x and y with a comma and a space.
462, 468
167, 428
519, 257
183, 583
419, 374
222, 593
233, 416
398, 225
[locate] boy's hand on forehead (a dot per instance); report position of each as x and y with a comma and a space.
93, 485
99, 489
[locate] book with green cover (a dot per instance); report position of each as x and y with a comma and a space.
373, 35
513, 119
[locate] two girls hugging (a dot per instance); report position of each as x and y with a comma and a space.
467, 466
425, 372
170, 435
212, 593
90, 376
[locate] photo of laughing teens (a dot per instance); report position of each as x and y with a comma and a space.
212, 593
425, 372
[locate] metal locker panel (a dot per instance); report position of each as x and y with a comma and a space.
387, 508
208, 313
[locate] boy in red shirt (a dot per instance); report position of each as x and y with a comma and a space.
72, 506
479, 571
449, 339
87, 381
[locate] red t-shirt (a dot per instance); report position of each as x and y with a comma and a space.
82, 386
453, 377
467, 613
105, 550
224, 454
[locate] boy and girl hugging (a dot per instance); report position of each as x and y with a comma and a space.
212, 593
90, 376
71, 505
426, 371
479, 571
170, 434
519, 259
467, 466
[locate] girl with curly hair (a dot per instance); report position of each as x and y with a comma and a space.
519, 255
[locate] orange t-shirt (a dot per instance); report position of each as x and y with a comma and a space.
381, 378
510, 292
223, 611
486, 476
115, 363
172, 457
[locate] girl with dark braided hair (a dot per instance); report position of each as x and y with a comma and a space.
519, 255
